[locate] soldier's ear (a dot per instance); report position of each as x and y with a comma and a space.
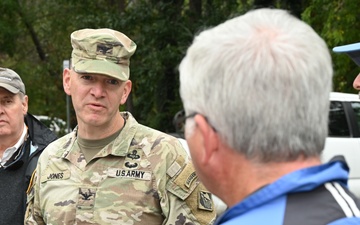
126, 91
66, 81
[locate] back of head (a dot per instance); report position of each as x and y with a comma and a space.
263, 81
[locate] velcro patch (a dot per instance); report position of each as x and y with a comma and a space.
205, 201
201, 205
186, 177
184, 183
132, 174
190, 179
86, 198
55, 175
176, 166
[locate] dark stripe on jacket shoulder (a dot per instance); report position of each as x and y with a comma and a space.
314, 207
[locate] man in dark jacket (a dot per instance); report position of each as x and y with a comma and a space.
22, 139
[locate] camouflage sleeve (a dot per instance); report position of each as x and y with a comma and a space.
189, 202
32, 213
219, 205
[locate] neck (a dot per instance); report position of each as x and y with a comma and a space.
7, 141
93, 132
253, 176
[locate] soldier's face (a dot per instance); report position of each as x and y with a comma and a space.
12, 110
96, 98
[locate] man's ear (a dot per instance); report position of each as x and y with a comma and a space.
210, 138
127, 89
25, 104
66, 81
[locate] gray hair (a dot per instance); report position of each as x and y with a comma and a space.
21, 96
263, 81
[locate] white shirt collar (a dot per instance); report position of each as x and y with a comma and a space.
11, 150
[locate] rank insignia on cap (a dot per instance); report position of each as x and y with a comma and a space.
104, 49
205, 201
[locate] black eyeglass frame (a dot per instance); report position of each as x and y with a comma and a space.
191, 115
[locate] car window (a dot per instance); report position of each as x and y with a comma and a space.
356, 108
338, 126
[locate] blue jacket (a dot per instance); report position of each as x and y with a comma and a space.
313, 196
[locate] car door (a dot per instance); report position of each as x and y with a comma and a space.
344, 138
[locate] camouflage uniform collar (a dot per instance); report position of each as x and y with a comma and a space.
120, 145
123, 141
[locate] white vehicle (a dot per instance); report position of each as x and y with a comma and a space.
344, 134
55, 124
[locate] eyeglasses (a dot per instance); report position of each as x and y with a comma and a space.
191, 115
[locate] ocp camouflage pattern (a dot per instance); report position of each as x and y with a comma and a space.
142, 177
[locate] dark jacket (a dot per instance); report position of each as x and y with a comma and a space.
16, 174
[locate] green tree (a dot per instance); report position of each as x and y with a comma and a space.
35, 39
336, 22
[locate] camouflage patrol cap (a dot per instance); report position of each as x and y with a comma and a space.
103, 51
11, 81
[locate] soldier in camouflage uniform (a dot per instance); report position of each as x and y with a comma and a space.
110, 169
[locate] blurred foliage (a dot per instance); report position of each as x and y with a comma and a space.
35, 39
336, 21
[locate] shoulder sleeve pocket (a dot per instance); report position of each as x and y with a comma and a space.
184, 183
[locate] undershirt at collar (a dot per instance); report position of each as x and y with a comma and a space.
91, 147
